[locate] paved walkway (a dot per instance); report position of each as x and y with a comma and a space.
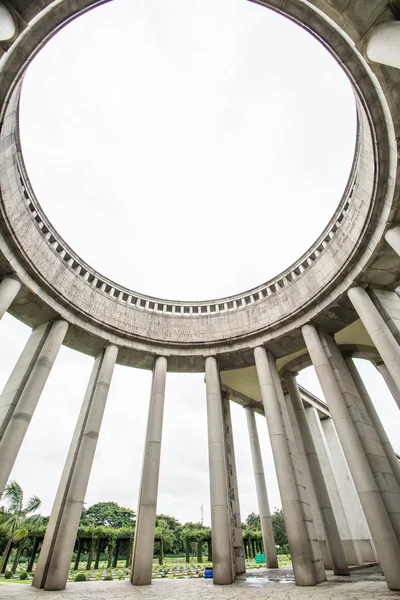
252, 589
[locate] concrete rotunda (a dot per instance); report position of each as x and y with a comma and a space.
338, 475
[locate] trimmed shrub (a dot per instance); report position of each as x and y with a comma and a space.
23, 575
108, 577
8, 575
80, 577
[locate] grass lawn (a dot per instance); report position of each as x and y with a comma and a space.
26, 581
172, 568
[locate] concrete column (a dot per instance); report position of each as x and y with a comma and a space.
143, 546
21, 394
392, 236
19, 376
360, 534
283, 449
338, 558
377, 329
350, 546
383, 535
387, 304
9, 288
383, 44
376, 422
309, 485
222, 552
58, 545
233, 489
261, 489
394, 390
373, 449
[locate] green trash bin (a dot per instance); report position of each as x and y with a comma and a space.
260, 558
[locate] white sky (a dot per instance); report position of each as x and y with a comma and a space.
189, 150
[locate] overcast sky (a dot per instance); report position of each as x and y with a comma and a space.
187, 149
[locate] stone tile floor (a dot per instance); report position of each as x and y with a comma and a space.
252, 588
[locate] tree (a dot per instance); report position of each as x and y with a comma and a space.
19, 519
165, 537
108, 514
91, 527
279, 529
176, 528
186, 536
171, 521
111, 544
253, 520
195, 534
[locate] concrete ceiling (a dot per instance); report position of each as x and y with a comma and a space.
245, 381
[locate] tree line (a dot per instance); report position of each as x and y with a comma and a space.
107, 530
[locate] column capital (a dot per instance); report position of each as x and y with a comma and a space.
12, 276
378, 329
10, 285
160, 358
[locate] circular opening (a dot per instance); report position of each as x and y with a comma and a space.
187, 150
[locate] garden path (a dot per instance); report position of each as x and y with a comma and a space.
200, 589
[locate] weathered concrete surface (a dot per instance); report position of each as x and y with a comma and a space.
23, 390
233, 488
359, 533
353, 553
341, 396
222, 547
335, 548
352, 246
304, 548
378, 329
143, 547
352, 249
55, 556
9, 288
261, 490
375, 420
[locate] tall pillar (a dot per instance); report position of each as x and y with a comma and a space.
376, 422
308, 483
9, 288
222, 551
338, 558
55, 556
393, 389
387, 304
378, 330
383, 46
360, 535
261, 489
233, 488
378, 520
143, 546
22, 391
299, 524
350, 546
370, 442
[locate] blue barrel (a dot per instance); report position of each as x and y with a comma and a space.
208, 573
